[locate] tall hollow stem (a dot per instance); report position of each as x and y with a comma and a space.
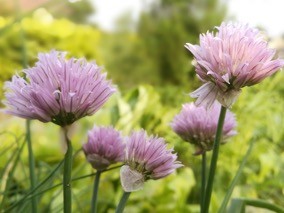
28, 128
67, 196
214, 159
31, 164
95, 193
122, 202
203, 180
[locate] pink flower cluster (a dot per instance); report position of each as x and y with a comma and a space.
105, 146
58, 90
198, 125
144, 157
234, 57
147, 157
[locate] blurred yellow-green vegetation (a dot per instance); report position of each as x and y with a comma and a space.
154, 74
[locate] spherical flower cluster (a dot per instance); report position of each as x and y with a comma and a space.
58, 90
146, 158
198, 125
105, 146
234, 57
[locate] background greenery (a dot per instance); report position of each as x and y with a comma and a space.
154, 74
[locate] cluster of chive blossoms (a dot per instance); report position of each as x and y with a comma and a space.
197, 125
145, 157
105, 146
58, 90
62, 91
234, 57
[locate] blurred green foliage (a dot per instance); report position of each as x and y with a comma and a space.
154, 72
169, 25
154, 53
42, 34
77, 11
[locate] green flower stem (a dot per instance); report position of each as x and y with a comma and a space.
95, 192
203, 181
31, 164
93, 174
67, 199
214, 159
263, 204
122, 202
236, 178
28, 122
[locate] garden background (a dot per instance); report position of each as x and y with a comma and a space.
154, 74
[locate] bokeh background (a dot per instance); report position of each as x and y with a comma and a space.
140, 45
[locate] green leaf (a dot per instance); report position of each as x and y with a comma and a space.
263, 204
236, 178
237, 206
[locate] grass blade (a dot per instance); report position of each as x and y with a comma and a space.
236, 178
36, 188
237, 206
11, 173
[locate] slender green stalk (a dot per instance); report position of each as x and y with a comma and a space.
67, 196
28, 129
31, 164
95, 193
263, 204
203, 181
214, 159
93, 174
235, 180
122, 202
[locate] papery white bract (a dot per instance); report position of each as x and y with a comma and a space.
131, 180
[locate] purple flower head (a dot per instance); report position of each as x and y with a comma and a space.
198, 125
146, 158
58, 90
234, 57
105, 146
